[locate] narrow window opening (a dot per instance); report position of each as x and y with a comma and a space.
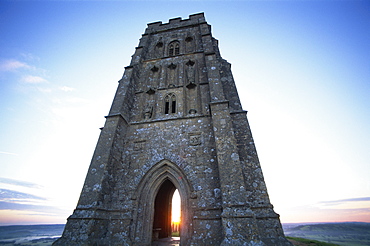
171, 50
166, 106
170, 104
173, 107
177, 49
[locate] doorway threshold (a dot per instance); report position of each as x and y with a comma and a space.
169, 241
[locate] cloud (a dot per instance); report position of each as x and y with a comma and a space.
76, 100
45, 90
33, 79
336, 202
7, 153
30, 57
19, 183
13, 65
66, 88
12, 195
352, 209
15, 200
28, 207
345, 204
11, 200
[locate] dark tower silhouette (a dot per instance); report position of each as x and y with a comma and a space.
176, 122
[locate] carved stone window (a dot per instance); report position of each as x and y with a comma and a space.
170, 104
174, 48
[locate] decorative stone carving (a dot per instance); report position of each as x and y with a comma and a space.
154, 69
190, 63
190, 74
172, 66
151, 91
158, 51
148, 110
188, 39
159, 44
192, 111
195, 139
189, 44
139, 145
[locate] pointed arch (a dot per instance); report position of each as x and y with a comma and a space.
146, 193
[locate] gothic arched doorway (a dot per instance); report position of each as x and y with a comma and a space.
157, 187
162, 210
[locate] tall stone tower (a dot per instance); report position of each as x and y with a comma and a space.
176, 122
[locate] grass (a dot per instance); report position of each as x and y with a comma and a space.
175, 234
311, 242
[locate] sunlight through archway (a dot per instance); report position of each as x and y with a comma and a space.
176, 213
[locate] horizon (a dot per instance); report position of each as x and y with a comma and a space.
283, 223
300, 68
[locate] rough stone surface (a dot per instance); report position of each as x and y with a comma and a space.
176, 119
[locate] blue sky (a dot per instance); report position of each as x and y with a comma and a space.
302, 70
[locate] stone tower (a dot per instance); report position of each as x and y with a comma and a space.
176, 122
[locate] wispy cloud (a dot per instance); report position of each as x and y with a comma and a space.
19, 183
33, 79
45, 90
15, 200
27, 207
350, 209
76, 100
30, 57
337, 202
29, 204
13, 65
356, 203
7, 153
12, 195
66, 88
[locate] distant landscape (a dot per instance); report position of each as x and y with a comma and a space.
346, 234
27, 235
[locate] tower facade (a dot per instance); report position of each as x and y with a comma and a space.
176, 122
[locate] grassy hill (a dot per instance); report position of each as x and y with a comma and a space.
348, 234
308, 242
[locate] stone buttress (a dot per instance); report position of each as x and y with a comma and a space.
176, 122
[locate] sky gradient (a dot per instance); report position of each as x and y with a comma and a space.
302, 70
